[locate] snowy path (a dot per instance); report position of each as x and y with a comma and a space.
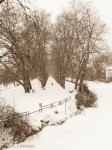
91, 131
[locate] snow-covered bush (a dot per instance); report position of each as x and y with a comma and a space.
13, 128
20, 128
5, 111
85, 98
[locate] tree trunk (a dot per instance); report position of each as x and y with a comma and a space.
79, 73
25, 75
83, 71
43, 71
81, 82
63, 83
27, 83
43, 83
62, 77
44, 77
27, 89
76, 82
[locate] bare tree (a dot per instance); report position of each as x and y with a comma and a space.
78, 35
37, 41
90, 33
64, 46
13, 58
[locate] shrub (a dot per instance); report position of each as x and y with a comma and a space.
14, 128
5, 111
20, 128
85, 98
85, 88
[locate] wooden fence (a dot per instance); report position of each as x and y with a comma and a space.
40, 110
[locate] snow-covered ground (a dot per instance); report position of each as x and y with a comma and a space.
91, 130
23, 102
16, 97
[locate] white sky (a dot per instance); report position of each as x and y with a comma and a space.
104, 8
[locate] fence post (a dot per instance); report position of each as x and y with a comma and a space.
40, 105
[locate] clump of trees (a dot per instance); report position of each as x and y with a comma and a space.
78, 37
24, 40
33, 47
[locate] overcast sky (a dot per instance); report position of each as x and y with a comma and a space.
104, 8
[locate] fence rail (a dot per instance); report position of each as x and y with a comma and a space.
41, 108
57, 103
